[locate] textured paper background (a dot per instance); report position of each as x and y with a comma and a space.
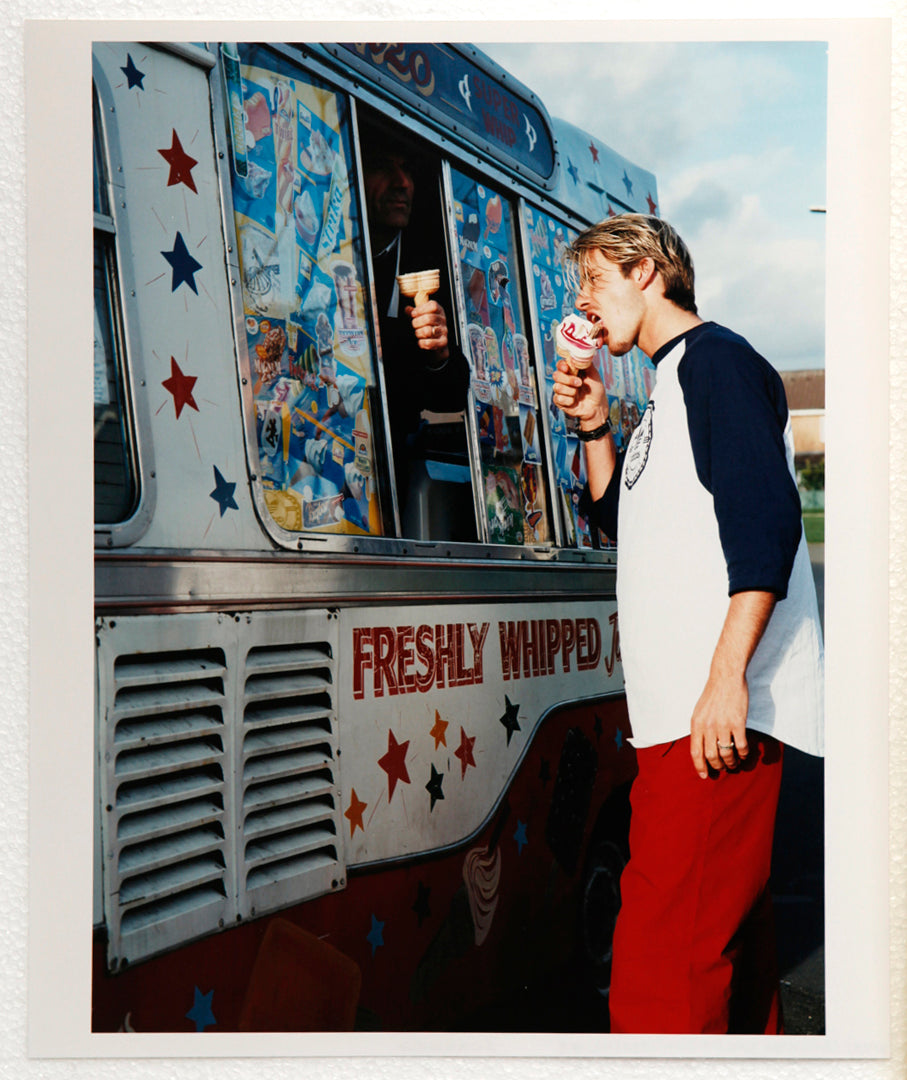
57, 502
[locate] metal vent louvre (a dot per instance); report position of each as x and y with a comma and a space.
291, 805
166, 778
219, 787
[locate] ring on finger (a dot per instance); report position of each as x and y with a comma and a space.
725, 746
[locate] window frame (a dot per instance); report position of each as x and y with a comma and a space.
124, 323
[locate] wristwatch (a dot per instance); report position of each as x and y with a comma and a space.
595, 433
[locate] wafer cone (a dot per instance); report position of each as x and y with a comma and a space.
420, 284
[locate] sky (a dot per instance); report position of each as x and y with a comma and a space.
735, 133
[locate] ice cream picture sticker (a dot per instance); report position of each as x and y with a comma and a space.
575, 342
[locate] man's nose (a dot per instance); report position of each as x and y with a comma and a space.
400, 177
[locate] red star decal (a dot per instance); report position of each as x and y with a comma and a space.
464, 752
439, 731
593, 150
180, 386
394, 763
354, 813
576, 467
652, 205
181, 165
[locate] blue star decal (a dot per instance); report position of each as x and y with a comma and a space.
200, 1014
223, 493
520, 836
574, 172
134, 77
375, 936
619, 739
628, 183
184, 266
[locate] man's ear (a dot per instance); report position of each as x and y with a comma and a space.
644, 272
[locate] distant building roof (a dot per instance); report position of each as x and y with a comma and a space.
804, 389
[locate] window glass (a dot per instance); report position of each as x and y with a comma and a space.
114, 478
628, 379
308, 355
514, 490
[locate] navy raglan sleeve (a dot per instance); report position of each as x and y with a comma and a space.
602, 512
736, 412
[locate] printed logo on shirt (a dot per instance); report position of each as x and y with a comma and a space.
638, 450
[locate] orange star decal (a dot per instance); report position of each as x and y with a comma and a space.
439, 731
354, 812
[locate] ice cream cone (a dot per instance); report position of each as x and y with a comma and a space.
420, 284
574, 341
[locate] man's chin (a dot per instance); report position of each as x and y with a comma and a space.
398, 219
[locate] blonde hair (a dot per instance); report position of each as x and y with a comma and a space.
626, 240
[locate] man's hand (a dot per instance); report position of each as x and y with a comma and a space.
718, 724
586, 399
430, 328
583, 397
718, 727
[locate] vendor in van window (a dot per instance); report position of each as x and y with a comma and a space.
424, 368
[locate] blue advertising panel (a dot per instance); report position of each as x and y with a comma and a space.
301, 250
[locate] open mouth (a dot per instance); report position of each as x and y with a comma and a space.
599, 333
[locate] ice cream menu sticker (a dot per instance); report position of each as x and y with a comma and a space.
628, 379
503, 380
309, 355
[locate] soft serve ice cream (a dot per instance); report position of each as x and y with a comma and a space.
574, 340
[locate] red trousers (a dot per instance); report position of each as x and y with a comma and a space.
694, 945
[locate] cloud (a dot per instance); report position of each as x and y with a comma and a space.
650, 100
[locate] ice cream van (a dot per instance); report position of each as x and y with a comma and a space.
360, 765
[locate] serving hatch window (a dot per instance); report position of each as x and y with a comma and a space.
515, 496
